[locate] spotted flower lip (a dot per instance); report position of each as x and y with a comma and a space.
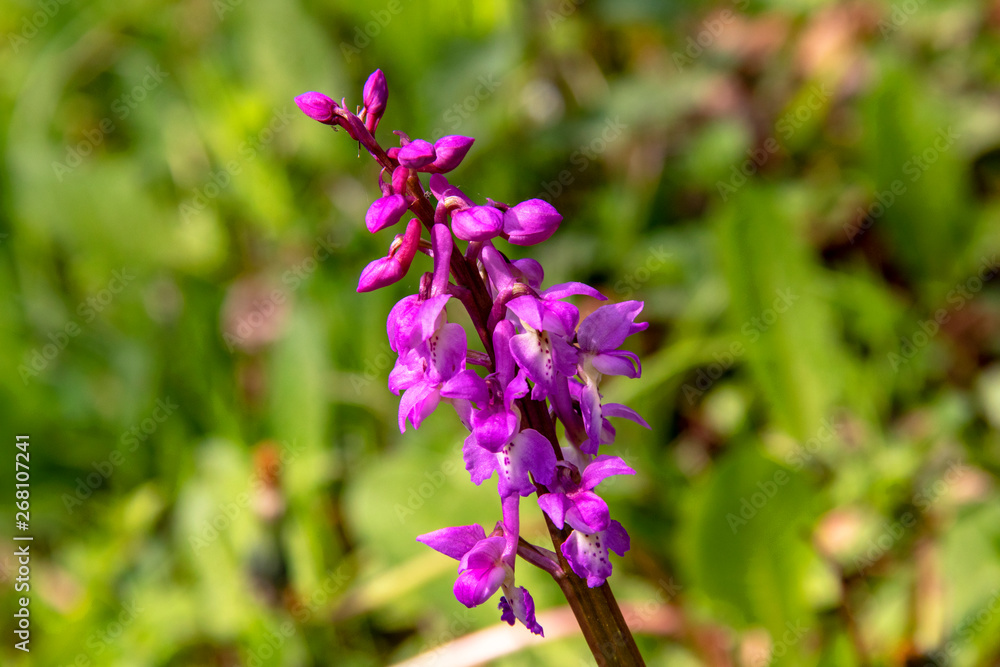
587, 554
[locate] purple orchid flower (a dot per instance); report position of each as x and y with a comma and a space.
481, 566
599, 337
432, 371
544, 350
575, 503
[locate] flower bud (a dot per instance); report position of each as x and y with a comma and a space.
375, 94
530, 222
450, 151
416, 154
477, 223
390, 269
317, 106
385, 212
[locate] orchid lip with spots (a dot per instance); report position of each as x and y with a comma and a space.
539, 366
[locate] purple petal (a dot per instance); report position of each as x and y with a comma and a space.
563, 290
544, 358
494, 427
520, 607
619, 410
607, 327
530, 222
479, 462
536, 454
454, 542
450, 150
475, 586
588, 513
442, 189
385, 212
380, 273
531, 272
590, 407
466, 384
541, 314
417, 404
408, 371
476, 223
442, 245
601, 468
556, 505
317, 106
412, 321
530, 452
616, 539
619, 362
505, 367
446, 351
497, 268
416, 154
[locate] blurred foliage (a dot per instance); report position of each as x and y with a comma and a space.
806, 195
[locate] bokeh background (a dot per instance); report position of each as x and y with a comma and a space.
804, 193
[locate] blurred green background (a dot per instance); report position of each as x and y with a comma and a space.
804, 193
